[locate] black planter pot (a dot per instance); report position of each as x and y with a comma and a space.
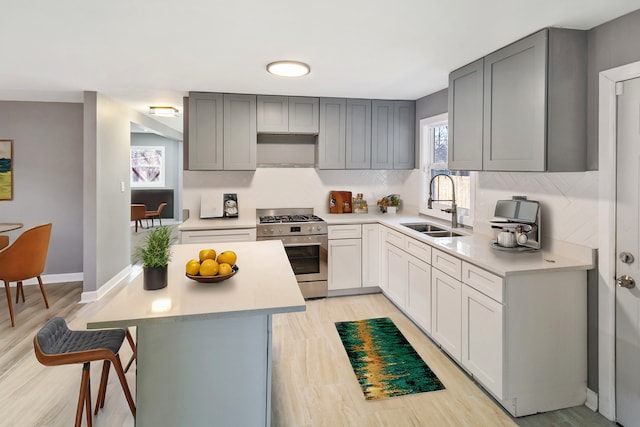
155, 278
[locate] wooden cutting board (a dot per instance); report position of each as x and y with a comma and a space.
340, 202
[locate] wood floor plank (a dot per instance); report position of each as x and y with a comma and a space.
313, 383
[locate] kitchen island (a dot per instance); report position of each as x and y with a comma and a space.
204, 349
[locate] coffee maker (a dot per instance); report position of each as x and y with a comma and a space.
518, 220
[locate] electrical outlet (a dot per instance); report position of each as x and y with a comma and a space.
122, 186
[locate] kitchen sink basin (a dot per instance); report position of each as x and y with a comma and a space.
431, 230
442, 233
424, 227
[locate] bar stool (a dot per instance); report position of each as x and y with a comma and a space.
55, 344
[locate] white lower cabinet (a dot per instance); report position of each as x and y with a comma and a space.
345, 257
370, 255
446, 315
419, 291
396, 275
482, 338
407, 277
219, 235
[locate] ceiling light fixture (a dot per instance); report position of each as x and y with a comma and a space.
289, 68
163, 111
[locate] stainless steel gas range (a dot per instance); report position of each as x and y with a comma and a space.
304, 236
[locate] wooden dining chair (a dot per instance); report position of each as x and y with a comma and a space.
138, 213
25, 259
155, 214
55, 344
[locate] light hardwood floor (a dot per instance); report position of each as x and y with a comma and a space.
313, 384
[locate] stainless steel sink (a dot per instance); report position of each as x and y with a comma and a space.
442, 233
431, 230
423, 227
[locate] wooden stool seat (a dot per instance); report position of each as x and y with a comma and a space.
55, 344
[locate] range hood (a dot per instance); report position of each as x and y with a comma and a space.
286, 151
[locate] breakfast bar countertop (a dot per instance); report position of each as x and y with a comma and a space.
264, 284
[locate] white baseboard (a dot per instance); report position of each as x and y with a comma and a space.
54, 278
126, 275
592, 400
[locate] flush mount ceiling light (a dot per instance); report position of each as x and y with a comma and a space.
288, 68
163, 111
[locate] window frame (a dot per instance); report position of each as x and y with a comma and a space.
465, 216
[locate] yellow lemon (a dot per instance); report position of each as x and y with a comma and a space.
207, 254
228, 257
209, 267
224, 269
193, 267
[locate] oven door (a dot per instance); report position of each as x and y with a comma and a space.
308, 256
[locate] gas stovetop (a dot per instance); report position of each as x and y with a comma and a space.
289, 222
280, 219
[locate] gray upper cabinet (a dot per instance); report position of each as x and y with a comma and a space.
393, 134
222, 131
535, 103
304, 115
465, 116
358, 142
205, 131
382, 135
240, 137
272, 114
287, 114
332, 133
404, 133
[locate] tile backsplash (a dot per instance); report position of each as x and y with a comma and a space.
569, 202
297, 187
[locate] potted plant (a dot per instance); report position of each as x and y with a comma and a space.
155, 255
389, 203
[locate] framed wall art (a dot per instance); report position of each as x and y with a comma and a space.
147, 166
6, 169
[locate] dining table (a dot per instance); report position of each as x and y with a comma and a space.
6, 227
10, 226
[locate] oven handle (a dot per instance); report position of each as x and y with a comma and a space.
291, 245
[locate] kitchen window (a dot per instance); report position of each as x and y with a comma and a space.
434, 143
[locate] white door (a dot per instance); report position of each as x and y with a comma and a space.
628, 256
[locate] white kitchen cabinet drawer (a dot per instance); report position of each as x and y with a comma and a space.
418, 249
482, 281
353, 231
447, 263
395, 238
216, 236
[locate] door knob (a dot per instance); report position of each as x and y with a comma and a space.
626, 257
626, 282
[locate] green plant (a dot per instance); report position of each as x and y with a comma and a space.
390, 200
156, 251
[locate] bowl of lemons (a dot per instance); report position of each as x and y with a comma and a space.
211, 267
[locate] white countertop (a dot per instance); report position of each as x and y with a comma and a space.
475, 248
245, 219
264, 284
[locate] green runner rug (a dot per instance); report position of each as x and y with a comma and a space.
384, 362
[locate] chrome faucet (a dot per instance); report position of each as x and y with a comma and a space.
453, 210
